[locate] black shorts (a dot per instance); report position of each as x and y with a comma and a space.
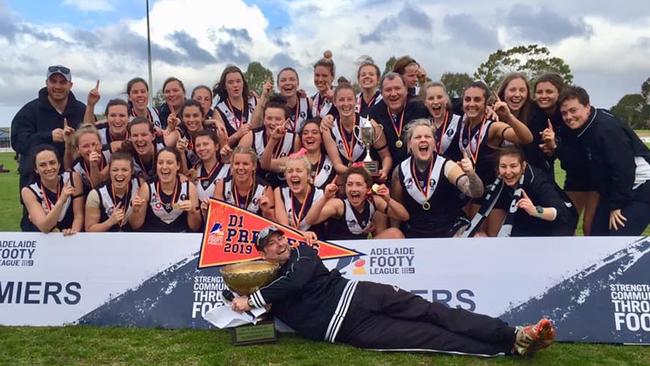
578, 182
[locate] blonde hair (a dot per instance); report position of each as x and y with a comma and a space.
431, 84
86, 128
301, 157
247, 151
413, 125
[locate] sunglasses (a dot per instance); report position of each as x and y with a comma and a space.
61, 69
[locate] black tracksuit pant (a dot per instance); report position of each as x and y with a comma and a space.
636, 211
384, 317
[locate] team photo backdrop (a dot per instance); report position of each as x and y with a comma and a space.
595, 289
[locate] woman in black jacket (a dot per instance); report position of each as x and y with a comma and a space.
617, 162
535, 205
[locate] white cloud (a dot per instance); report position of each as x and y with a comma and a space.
195, 39
90, 5
613, 48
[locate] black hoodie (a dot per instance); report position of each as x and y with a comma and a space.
34, 123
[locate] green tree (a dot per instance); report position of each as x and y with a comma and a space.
633, 110
532, 60
158, 99
455, 83
645, 90
389, 65
256, 75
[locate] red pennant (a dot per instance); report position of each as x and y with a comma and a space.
230, 234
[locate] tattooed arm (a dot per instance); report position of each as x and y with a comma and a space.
463, 176
470, 185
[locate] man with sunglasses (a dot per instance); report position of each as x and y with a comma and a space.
322, 305
43, 120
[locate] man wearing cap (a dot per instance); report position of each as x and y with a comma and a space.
41, 121
322, 305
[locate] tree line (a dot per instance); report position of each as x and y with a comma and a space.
531, 60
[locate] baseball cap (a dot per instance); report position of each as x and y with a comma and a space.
264, 236
61, 70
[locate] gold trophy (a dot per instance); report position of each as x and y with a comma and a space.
246, 278
365, 133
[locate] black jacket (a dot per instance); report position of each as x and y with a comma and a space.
306, 295
611, 147
34, 123
536, 123
414, 109
543, 191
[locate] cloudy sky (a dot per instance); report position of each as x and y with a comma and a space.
606, 43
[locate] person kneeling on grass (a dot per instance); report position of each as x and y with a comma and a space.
322, 305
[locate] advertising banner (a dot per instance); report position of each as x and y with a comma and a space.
594, 289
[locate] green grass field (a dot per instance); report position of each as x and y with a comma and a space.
83, 345
10, 210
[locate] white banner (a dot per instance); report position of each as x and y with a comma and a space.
595, 289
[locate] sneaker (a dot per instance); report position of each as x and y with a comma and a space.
532, 338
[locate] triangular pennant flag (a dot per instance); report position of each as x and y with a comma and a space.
230, 233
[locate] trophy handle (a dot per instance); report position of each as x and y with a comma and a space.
357, 135
381, 129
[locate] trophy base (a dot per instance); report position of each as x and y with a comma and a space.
262, 332
373, 168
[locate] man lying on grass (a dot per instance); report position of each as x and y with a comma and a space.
321, 305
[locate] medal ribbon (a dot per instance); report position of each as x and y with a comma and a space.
347, 146
319, 103
303, 204
278, 148
248, 196
238, 122
294, 122
442, 134
214, 168
174, 195
398, 131
481, 134
319, 165
123, 201
424, 190
48, 204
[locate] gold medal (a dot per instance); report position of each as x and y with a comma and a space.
399, 144
426, 206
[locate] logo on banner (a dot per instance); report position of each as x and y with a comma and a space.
359, 267
17, 253
215, 237
230, 235
386, 261
631, 306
